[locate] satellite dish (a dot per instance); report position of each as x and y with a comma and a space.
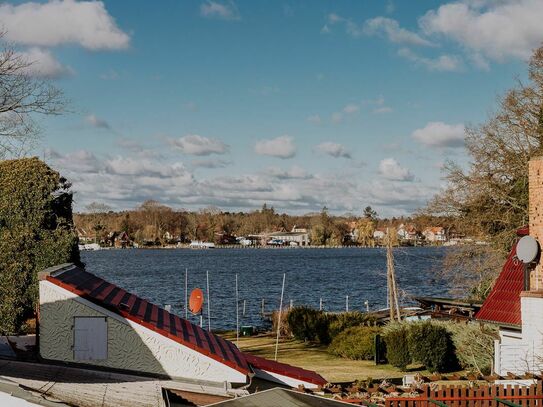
196, 301
527, 249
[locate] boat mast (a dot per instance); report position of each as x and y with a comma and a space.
394, 308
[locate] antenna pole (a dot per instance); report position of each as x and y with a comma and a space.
237, 312
208, 303
186, 293
279, 317
394, 308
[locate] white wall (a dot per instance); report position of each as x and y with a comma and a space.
522, 351
130, 345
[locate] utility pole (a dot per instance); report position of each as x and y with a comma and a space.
394, 308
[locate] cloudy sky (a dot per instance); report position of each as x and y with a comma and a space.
298, 104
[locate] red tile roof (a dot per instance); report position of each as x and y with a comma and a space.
286, 370
134, 308
502, 306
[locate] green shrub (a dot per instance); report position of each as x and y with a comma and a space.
397, 345
340, 322
308, 324
36, 232
355, 343
432, 345
474, 345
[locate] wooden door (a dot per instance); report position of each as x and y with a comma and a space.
90, 338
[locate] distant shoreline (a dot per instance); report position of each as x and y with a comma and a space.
238, 247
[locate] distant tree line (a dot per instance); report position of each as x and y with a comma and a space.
153, 223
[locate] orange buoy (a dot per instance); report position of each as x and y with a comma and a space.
196, 301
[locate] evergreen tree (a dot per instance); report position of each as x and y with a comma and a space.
36, 232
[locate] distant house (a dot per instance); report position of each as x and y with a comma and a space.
292, 238
298, 229
85, 320
121, 240
379, 233
84, 236
352, 235
435, 234
408, 232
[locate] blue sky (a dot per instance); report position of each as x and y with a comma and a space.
297, 104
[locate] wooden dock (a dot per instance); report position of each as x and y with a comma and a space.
93, 388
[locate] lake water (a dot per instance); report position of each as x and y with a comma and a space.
311, 274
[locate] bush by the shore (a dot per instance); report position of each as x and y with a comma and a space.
432, 345
355, 343
308, 324
397, 345
441, 345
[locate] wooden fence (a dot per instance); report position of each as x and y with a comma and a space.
459, 396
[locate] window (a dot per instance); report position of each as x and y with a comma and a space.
90, 338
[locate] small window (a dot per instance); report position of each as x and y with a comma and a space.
90, 338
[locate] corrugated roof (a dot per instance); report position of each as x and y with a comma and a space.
281, 397
285, 370
502, 306
141, 311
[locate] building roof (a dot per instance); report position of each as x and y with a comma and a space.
281, 397
285, 370
502, 306
141, 311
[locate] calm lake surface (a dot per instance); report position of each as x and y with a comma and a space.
311, 274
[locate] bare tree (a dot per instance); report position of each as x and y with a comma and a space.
23, 94
489, 199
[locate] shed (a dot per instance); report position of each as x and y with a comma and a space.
86, 320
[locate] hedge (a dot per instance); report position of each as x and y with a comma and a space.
355, 343
36, 232
308, 324
397, 345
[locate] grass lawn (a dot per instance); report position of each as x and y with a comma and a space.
314, 357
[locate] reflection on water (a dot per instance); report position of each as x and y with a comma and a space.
330, 274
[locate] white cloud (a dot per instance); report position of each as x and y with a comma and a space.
494, 29
380, 106
43, 64
333, 149
281, 147
393, 32
295, 172
382, 26
77, 161
111, 75
314, 119
351, 108
95, 121
439, 135
125, 181
194, 144
143, 167
337, 117
450, 63
222, 11
59, 22
382, 109
390, 169
390, 7
210, 163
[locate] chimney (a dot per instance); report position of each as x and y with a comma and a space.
535, 211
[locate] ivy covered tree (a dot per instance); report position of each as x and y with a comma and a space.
36, 232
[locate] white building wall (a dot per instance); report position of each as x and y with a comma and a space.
130, 345
522, 351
